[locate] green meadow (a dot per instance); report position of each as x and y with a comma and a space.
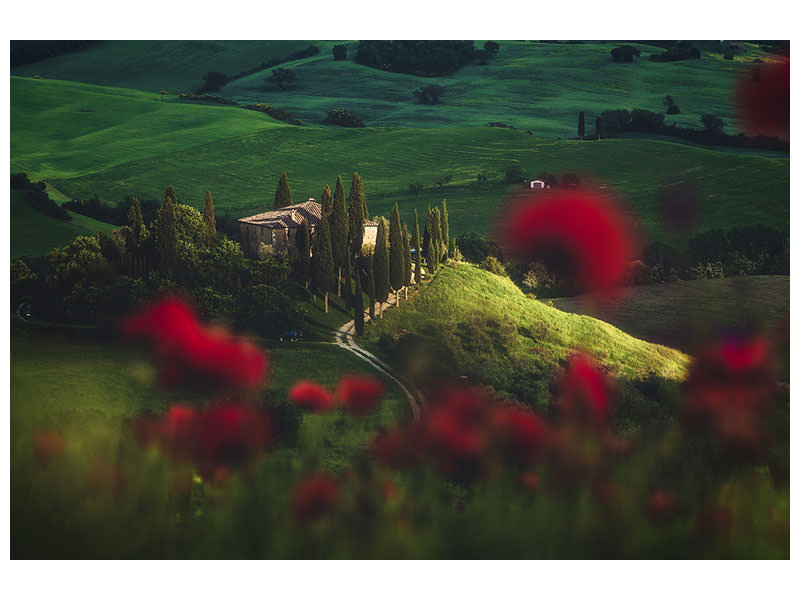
34, 233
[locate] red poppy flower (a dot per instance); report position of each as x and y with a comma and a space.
578, 229
458, 424
314, 497
661, 505
311, 397
228, 435
521, 434
585, 392
192, 353
399, 447
730, 389
48, 445
359, 394
762, 99
529, 481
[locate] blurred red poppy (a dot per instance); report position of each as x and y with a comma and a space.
661, 505
762, 99
229, 435
314, 497
192, 353
399, 447
731, 385
585, 392
359, 394
458, 424
522, 435
582, 230
48, 445
311, 397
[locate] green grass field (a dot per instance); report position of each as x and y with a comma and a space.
684, 313
153, 65
34, 233
462, 293
57, 380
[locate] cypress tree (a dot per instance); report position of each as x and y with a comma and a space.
359, 304
435, 244
426, 241
406, 259
598, 122
303, 242
338, 220
208, 215
324, 275
395, 253
166, 233
348, 288
326, 201
581, 127
356, 206
371, 284
135, 220
381, 266
170, 193
445, 228
417, 250
283, 194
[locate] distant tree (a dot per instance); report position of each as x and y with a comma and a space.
303, 242
581, 127
166, 233
406, 258
672, 108
445, 227
283, 193
415, 188
213, 82
339, 52
356, 209
491, 49
281, 78
415, 242
624, 53
324, 277
208, 215
343, 118
598, 122
358, 304
513, 174
646, 120
430, 94
326, 200
712, 123
615, 121
339, 229
396, 259
371, 284
135, 219
381, 265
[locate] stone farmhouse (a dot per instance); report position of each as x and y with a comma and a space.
278, 228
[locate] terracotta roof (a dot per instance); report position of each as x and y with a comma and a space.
289, 216
369, 223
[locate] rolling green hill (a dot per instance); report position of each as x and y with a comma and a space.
66, 129
154, 65
683, 313
34, 233
522, 338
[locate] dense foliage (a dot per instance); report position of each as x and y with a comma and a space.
343, 118
36, 196
427, 57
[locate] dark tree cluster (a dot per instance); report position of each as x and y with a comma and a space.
208, 98
343, 118
429, 58
340, 52
116, 214
625, 53
281, 78
213, 82
672, 108
275, 113
429, 94
25, 52
36, 196
680, 51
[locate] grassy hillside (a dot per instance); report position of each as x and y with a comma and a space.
153, 65
242, 172
533, 86
481, 325
34, 233
65, 129
683, 313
